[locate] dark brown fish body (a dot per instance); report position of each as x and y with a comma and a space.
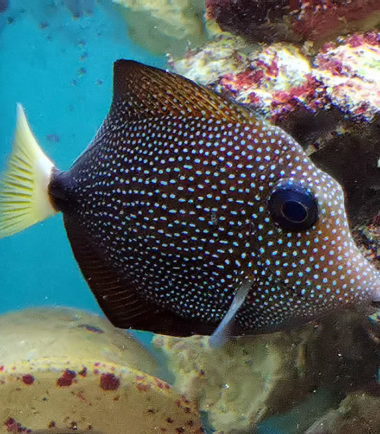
184, 197
174, 201
177, 238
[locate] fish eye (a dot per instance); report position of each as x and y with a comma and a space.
293, 207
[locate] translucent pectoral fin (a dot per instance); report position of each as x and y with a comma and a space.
223, 331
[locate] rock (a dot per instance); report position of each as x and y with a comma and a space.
63, 369
237, 384
254, 377
223, 56
163, 26
349, 71
68, 334
358, 413
289, 20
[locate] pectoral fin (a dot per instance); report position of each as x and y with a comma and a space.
224, 330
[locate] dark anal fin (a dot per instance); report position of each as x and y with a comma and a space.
118, 299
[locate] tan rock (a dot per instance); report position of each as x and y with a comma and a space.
253, 377
69, 335
63, 369
238, 384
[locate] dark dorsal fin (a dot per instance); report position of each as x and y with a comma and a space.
146, 91
118, 298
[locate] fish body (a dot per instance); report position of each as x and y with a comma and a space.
80, 7
4, 5
186, 210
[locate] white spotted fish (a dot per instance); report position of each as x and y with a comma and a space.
186, 212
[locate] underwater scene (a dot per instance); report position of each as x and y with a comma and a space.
190, 216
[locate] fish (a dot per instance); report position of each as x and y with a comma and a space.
188, 214
80, 7
4, 4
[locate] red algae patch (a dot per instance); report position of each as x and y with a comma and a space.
66, 379
161, 384
28, 379
109, 381
143, 387
83, 372
13, 426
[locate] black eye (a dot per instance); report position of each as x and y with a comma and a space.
293, 207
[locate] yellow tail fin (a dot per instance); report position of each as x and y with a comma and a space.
24, 198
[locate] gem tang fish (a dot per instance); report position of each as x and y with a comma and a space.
187, 214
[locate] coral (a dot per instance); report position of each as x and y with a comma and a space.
223, 56
278, 78
350, 72
271, 79
253, 377
163, 26
66, 370
70, 368
294, 20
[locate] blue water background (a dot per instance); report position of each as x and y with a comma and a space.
60, 69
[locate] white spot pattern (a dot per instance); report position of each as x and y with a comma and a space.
179, 206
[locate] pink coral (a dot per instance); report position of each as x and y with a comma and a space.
350, 71
278, 79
